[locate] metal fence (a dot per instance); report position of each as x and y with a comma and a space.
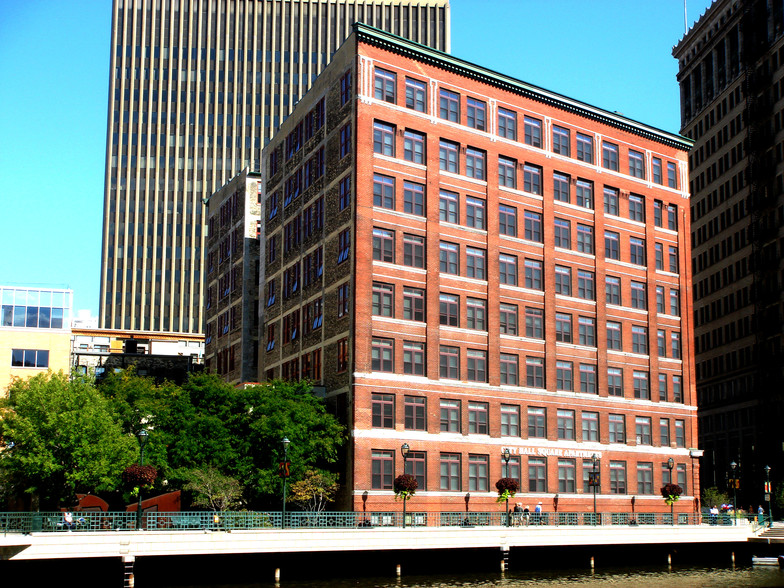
54, 522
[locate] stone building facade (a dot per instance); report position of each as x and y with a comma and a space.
468, 263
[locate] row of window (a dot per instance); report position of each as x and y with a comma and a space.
451, 473
473, 112
34, 358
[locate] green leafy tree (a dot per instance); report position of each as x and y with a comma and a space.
712, 497
314, 491
66, 440
213, 490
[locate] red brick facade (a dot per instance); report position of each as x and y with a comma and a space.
478, 309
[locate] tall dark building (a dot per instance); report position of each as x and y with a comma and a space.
731, 74
197, 88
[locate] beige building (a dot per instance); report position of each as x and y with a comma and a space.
196, 91
35, 332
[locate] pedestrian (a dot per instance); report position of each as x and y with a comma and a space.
538, 514
714, 514
526, 514
518, 513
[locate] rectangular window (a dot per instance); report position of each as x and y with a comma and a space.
656, 170
507, 124
345, 193
672, 175
449, 309
613, 290
416, 95
537, 474
660, 299
476, 365
636, 164
657, 213
510, 420
663, 387
636, 208
615, 382
612, 245
680, 433
476, 114
413, 304
562, 233
476, 314
382, 355
609, 156
345, 88
384, 191
508, 319
533, 274
449, 362
449, 105
565, 423
345, 140
384, 138
563, 327
585, 239
680, 470
449, 262
413, 250
413, 358
659, 256
475, 263
566, 476
415, 411
534, 322
344, 245
383, 410
614, 341
637, 251
534, 372
533, 131
673, 258
583, 192
564, 376
384, 85
475, 163
475, 213
672, 217
644, 478
561, 140
382, 467
413, 198
588, 378
664, 432
590, 421
533, 226
448, 157
586, 285
677, 389
507, 269
561, 187
507, 220
532, 179
617, 477
450, 416
643, 430
675, 305
478, 480
537, 418
477, 418
414, 147
641, 389
507, 175
416, 465
383, 302
448, 207
342, 364
639, 296
511, 469
584, 148
617, 428
587, 331
563, 280
450, 472
384, 245
508, 364
661, 343
32, 358
639, 339
611, 201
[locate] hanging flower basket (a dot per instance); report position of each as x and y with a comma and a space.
671, 493
507, 488
136, 476
405, 486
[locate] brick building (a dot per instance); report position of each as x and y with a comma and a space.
231, 334
731, 75
437, 236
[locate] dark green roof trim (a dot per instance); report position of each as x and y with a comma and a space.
445, 61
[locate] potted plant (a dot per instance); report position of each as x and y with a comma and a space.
507, 488
671, 494
405, 486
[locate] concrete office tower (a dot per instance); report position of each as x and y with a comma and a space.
467, 263
196, 90
731, 67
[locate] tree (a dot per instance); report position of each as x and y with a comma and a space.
314, 491
65, 437
213, 490
712, 497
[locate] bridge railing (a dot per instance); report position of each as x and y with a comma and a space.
26, 522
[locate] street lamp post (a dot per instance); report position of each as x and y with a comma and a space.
594, 484
404, 449
507, 455
285, 473
143, 437
670, 464
767, 493
733, 467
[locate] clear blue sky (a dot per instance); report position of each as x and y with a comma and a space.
54, 75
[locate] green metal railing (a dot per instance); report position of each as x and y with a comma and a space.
54, 522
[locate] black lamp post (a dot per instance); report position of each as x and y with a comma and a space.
594, 483
670, 464
507, 455
285, 472
143, 437
404, 452
733, 467
767, 493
